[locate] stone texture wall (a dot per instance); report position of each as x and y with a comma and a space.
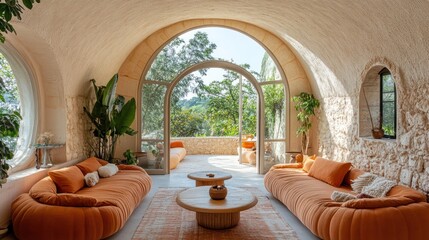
210, 145
77, 129
405, 159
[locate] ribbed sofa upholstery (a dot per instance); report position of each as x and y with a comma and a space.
91, 213
403, 214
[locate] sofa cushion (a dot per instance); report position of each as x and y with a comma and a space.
67, 180
108, 170
307, 165
352, 175
89, 165
370, 203
177, 144
91, 179
329, 171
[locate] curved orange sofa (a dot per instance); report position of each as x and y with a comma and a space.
402, 214
177, 153
90, 213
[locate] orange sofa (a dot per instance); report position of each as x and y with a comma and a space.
177, 153
90, 213
402, 214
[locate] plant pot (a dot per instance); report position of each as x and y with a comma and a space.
218, 192
377, 133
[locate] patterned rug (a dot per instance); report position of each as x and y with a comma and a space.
164, 219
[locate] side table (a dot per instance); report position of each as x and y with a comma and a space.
43, 157
208, 178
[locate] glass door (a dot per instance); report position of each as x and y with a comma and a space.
153, 153
274, 144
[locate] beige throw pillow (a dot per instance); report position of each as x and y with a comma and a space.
91, 179
107, 170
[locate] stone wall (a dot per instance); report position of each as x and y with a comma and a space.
77, 129
210, 145
405, 159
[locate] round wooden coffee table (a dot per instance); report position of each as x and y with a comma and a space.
201, 178
216, 214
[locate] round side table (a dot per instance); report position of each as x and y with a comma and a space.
209, 178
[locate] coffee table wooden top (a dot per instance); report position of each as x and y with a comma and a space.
198, 200
202, 176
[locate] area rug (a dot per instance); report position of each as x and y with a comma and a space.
164, 219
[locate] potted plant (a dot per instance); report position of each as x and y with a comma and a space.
305, 105
111, 117
130, 158
9, 127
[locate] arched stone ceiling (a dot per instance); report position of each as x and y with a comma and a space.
335, 39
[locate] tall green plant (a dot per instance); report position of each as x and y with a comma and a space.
111, 117
305, 105
9, 127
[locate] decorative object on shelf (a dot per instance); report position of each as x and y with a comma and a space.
377, 132
43, 154
111, 118
45, 138
210, 175
218, 192
305, 105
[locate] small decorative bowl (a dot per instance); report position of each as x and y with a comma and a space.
218, 192
210, 175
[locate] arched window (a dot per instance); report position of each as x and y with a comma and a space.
377, 108
20, 96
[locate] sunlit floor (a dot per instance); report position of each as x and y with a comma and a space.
243, 175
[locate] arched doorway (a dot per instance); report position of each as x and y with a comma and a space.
267, 155
294, 77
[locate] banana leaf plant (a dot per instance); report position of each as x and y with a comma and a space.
111, 118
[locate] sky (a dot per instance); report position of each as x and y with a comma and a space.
231, 44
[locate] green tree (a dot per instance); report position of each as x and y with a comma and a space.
9, 117
274, 99
223, 100
173, 59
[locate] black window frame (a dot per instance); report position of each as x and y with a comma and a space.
382, 73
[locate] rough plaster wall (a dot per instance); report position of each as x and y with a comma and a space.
78, 126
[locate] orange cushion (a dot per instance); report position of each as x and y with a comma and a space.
67, 180
89, 165
286, 165
248, 144
177, 144
352, 175
329, 171
307, 165
365, 203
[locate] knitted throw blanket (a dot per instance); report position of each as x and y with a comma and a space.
372, 185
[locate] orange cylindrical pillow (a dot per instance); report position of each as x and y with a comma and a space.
367, 203
177, 144
329, 171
